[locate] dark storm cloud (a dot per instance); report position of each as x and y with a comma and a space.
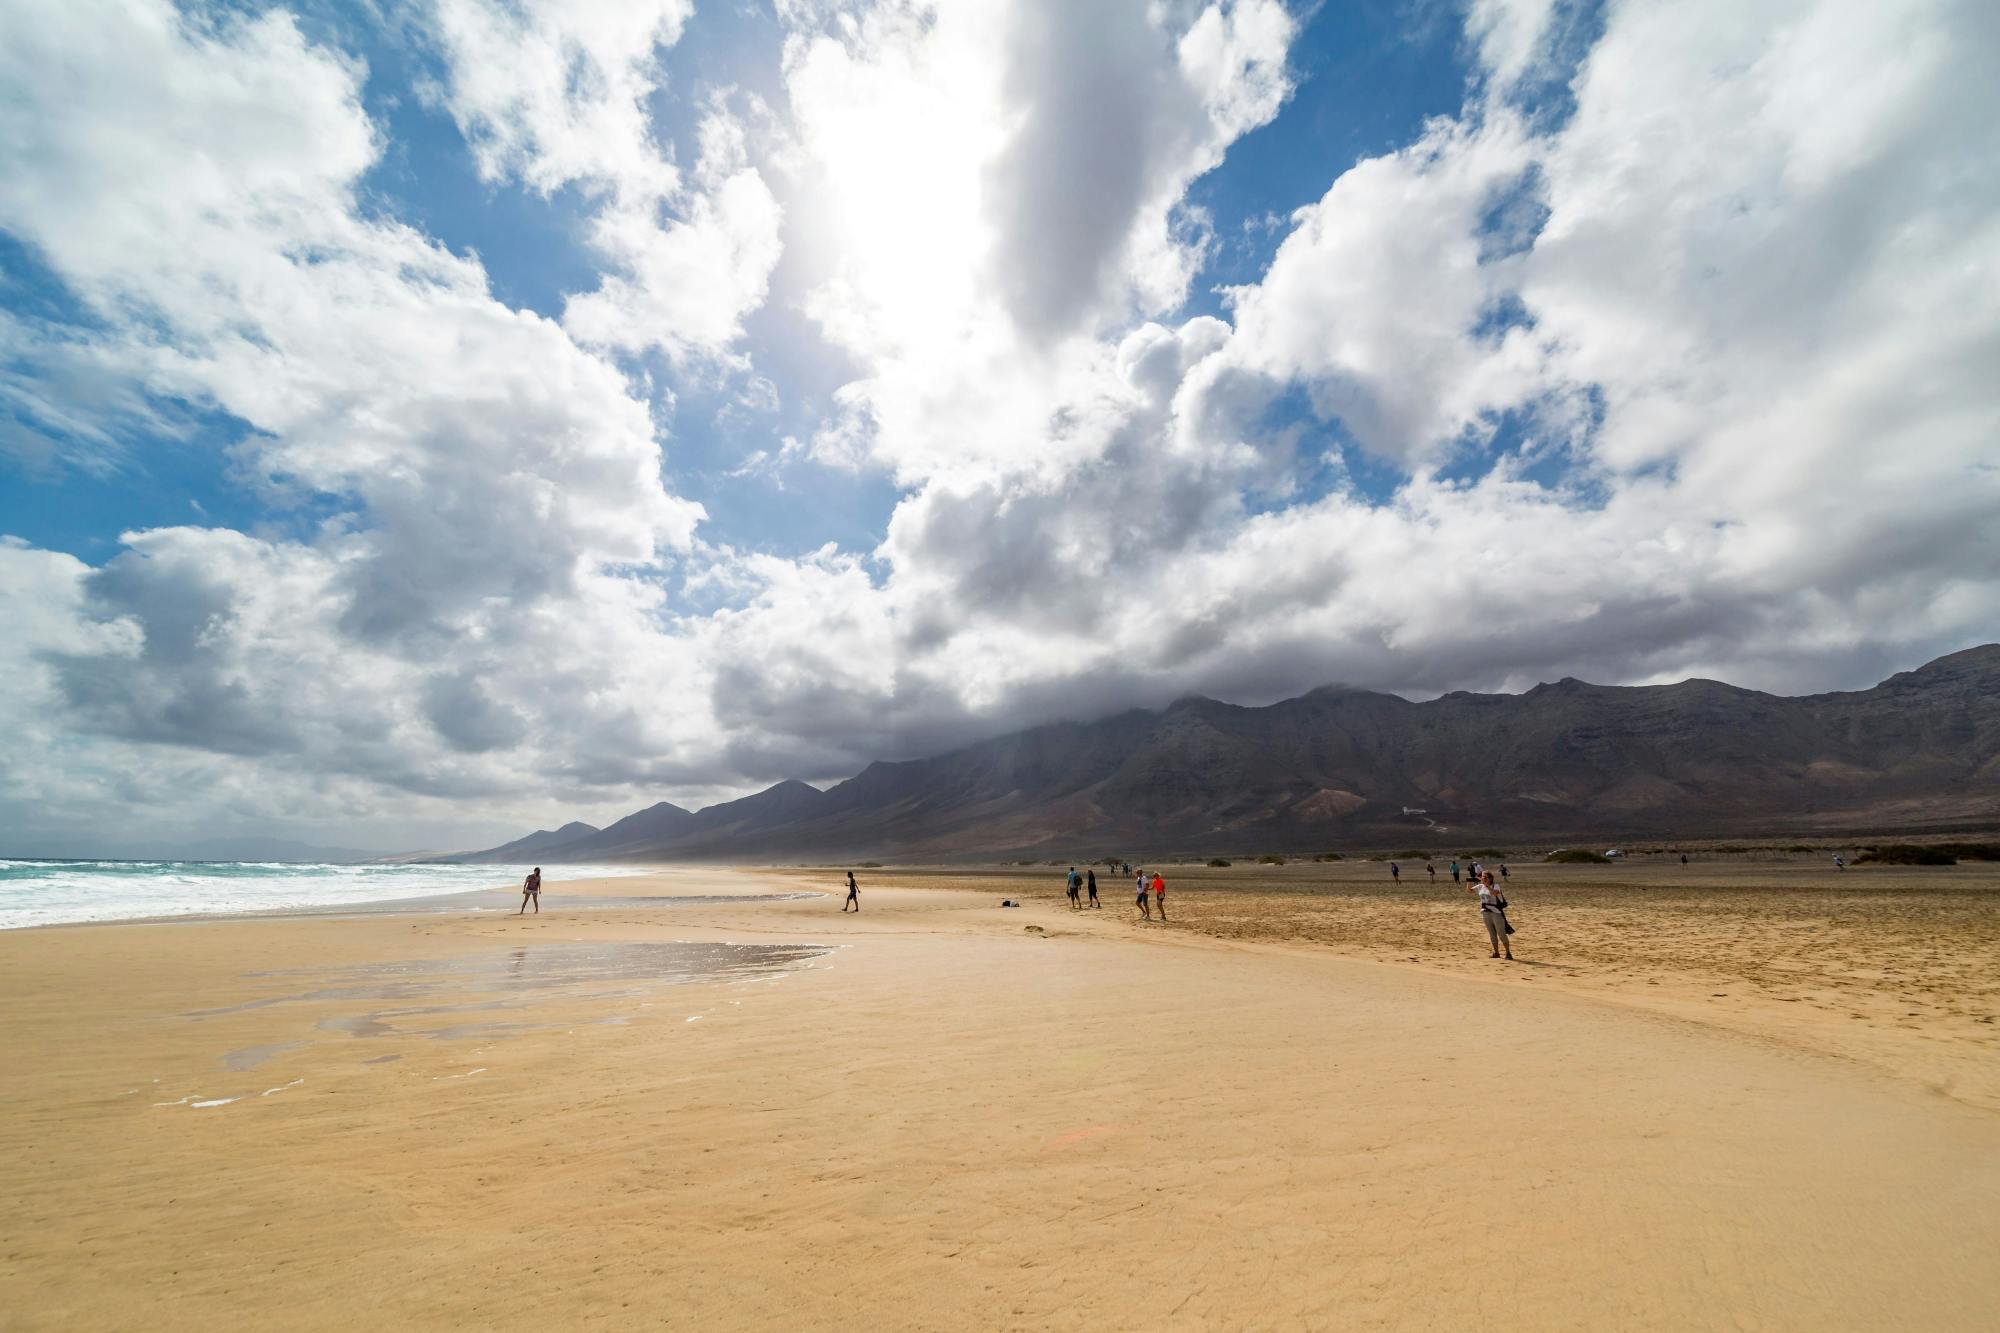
467, 716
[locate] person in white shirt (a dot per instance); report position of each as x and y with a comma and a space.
1140, 881
1493, 912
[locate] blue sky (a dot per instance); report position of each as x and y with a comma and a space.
416, 424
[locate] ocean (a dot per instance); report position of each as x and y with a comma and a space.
46, 893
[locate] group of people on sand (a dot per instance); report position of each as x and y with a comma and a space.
1474, 871
1159, 887
1077, 884
1082, 890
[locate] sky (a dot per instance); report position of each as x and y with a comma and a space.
421, 423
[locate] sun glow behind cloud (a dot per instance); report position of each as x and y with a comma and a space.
893, 126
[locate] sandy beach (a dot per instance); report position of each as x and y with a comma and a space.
1308, 1102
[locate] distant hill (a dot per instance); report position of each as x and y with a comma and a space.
540, 841
1342, 767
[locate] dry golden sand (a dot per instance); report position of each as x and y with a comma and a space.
952, 1121
1896, 966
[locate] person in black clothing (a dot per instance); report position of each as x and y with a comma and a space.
531, 891
1432, 871
1090, 882
853, 894
1395, 872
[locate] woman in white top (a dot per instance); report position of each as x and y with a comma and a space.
1493, 912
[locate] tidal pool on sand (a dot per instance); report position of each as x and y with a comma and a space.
511, 979
568, 963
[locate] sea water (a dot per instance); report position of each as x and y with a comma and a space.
46, 893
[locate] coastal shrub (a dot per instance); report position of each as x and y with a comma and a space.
1800, 847
1409, 856
1484, 854
1972, 851
871, 865
1267, 859
1906, 854
1218, 861
1578, 856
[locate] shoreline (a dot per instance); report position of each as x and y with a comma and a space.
473, 1120
442, 904
459, 900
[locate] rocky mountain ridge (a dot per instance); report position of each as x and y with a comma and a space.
1341, 767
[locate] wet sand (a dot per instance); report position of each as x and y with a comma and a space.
947, 1120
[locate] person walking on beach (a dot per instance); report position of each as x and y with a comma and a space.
1395, 872
1454, 872
531, 891
1493, 913
1503, 870
1838, 862
1160, 894
1432, 871
1684, 858
1090, 882
1144, 910
1075, 887
853, 894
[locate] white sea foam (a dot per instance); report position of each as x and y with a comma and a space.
46, 893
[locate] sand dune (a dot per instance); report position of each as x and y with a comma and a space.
946, 1121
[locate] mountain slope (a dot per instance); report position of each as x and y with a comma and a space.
632, 836
1340, 766
541, 841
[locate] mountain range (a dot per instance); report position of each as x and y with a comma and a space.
1342, 767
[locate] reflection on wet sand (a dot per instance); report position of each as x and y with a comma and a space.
503, 980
